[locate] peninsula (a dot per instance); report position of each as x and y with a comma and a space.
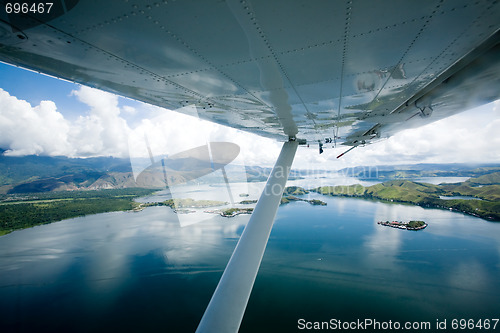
181, 204
27, 210
290, 194
484, 192
286, 198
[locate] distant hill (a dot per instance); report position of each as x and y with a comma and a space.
35, 174
488, 179
481, 200
259, 174
387, 172
32, 174
15, 170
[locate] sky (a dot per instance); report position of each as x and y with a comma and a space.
47, 116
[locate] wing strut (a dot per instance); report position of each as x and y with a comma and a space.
227, 306
348, 150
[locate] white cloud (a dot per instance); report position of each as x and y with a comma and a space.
129, 110
468, 137
171, 132
42, 130
27, 130
103, 131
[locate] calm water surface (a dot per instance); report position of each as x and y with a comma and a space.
440, 180
461, 197
130, 272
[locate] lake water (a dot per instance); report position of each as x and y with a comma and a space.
460, 197
131, 272
440, 180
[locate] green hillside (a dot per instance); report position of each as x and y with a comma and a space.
15, 170
485, 188
489, 179
19, 212
341, 190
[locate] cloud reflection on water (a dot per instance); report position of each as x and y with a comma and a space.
325, 254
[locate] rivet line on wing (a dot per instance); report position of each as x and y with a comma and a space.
440, 56
410, 46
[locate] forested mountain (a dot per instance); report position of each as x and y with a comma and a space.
16, 170
477, 196
34, 174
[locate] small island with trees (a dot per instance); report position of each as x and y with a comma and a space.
412, 225
232, 212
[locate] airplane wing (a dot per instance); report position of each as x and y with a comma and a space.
344, 71
347, 72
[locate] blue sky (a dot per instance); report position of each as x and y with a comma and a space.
43, 115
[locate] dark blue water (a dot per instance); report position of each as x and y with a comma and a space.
131, 272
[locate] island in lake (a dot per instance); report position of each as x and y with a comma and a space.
232, 212
412, 225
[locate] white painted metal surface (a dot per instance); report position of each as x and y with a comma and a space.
227, 306
347, 70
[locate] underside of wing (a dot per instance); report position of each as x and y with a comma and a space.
337, 71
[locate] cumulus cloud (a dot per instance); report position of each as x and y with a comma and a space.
168, 132
43, 130
103, 131
467, 137
27, 130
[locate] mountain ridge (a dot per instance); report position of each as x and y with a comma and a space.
32, 174
485, 201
